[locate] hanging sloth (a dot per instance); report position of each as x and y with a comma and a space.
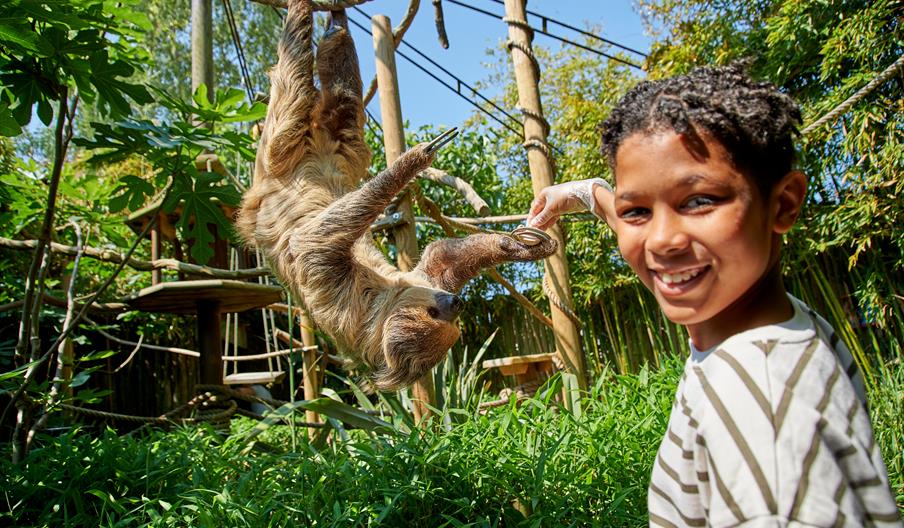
309, 215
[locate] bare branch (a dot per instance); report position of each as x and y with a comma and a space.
463, 187
107, 255
440, 23
140, 343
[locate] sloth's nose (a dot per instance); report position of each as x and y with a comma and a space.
448, 306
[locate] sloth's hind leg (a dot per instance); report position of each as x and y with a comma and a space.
293, 95
340, 80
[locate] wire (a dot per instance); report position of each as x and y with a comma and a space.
449, 86
546, 19
240, 53
550, 35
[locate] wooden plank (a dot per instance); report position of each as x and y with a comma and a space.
182, 297
518, 360
254, 378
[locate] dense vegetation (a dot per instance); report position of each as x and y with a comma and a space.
96, 121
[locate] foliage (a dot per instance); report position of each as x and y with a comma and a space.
44, 51
575, 470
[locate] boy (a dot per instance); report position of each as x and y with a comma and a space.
769, 426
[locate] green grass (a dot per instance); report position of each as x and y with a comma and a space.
563, 469
587, 468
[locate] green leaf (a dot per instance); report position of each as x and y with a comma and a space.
200, 198
45, 112
133, 192
21, 36
80, 379
8, 125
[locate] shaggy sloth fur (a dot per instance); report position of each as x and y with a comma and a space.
310, 218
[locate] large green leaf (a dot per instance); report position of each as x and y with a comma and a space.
8, 124
200, 198
337, 410
17, 33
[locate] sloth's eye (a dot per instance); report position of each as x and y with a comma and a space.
432, 312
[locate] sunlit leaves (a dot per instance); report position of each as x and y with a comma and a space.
48, 49
199, 195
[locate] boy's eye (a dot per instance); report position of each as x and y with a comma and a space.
633, 213
700, 201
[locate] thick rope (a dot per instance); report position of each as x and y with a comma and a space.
887, 74
535, 64
538, 116
559, 303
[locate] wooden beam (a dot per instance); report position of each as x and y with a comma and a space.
423, 392
568, 339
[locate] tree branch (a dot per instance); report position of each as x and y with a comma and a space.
463, 188
107, 255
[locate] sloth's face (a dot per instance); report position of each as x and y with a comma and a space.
418, 332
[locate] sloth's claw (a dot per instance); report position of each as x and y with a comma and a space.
440, 140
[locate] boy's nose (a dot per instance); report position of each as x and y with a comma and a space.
666, 234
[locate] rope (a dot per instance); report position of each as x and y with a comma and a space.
522, 392
538, 144
538, 116
535, 64
889, 72
559, 303
523, 24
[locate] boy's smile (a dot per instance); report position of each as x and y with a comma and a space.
699, 235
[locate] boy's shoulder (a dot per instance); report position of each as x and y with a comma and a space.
802, 350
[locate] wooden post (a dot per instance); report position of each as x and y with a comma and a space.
156, 274
309, 358
568, 339
202, 46
423, 391
211, 360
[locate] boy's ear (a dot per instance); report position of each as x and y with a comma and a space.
788, 198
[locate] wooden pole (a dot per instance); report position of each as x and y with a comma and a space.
202, 46
423, 391
568, 339
311, 370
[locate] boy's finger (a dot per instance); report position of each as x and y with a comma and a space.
535, 208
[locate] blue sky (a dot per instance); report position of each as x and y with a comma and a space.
424, 100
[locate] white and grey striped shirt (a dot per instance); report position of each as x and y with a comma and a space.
769, 429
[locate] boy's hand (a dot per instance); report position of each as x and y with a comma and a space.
568, 197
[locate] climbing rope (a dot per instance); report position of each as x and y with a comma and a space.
536, 115
887, 74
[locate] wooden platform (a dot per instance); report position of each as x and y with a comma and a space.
182, 297
515, 365
254, 378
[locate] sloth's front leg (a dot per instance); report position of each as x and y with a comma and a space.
452, 262
353, 213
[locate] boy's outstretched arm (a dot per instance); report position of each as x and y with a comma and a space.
594, 195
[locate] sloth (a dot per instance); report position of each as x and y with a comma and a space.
310, 215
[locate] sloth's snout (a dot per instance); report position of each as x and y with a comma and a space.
448, 306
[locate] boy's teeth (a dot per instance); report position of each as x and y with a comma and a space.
670, 278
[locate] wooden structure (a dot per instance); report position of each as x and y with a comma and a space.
525, 369
207, 299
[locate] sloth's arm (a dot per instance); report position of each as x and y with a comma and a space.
451, 262
349, 217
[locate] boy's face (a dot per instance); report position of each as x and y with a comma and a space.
694, 229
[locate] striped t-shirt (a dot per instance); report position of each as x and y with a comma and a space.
769, 429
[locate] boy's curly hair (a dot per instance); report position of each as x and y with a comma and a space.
753, 120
